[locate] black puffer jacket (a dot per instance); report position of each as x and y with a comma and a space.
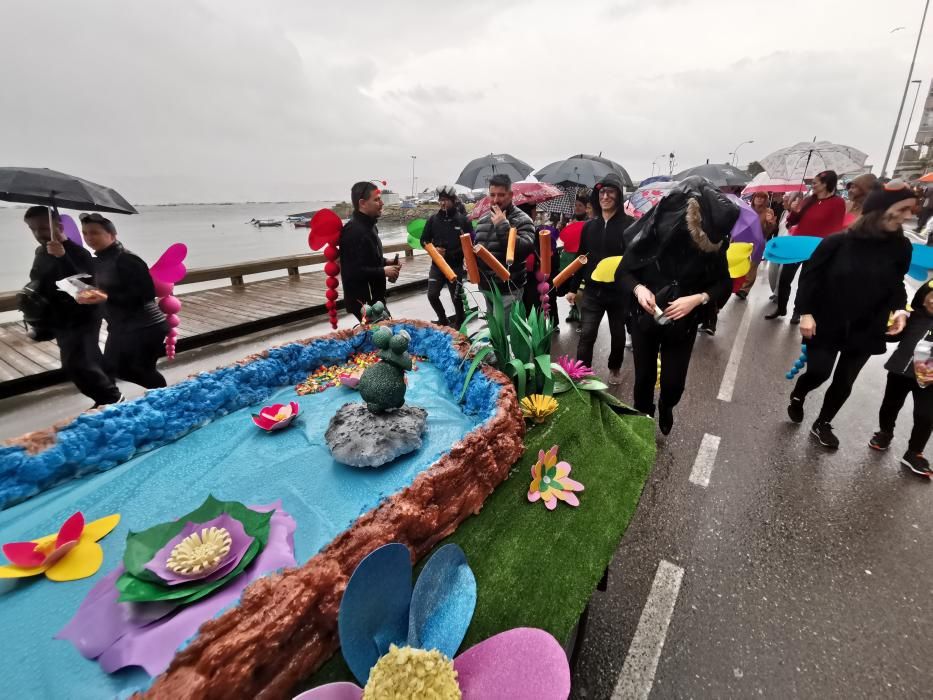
64, 312
362, 263
444, 229
496, 239
125, 278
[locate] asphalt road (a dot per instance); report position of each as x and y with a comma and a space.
794, 573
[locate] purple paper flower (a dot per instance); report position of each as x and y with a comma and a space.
575, 369
124, 634
240, 542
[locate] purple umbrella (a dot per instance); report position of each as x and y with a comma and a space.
747, 228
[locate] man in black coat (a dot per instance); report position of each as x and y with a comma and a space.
443, 230
363, 267
602, 238
76, 328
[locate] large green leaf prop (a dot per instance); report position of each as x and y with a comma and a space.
415, 229
139, 584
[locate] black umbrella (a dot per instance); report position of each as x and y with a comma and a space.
55, 189
477, 172
720, 174
583, 170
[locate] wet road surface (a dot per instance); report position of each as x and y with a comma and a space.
795, 572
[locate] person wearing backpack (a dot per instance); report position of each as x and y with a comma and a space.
908, 374
53, 314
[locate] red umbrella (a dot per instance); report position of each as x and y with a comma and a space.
522, 193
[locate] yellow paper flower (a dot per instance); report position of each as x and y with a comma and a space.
537, 407
70, 554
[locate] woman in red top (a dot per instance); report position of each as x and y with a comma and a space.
821, 214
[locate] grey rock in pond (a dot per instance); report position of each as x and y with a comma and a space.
360, 438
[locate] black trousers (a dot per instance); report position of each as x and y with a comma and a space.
788, 272
597, 302
820, 363
675, 350
132, 355
436, 282
83, 362
895, 393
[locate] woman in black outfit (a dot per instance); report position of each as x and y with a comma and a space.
847, 292
136, 327
675, 262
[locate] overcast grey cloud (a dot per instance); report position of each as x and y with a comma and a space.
213, 100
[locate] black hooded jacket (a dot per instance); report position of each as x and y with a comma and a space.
919, 327
601, 239
64, 312
362, 263
444, 229
125, 278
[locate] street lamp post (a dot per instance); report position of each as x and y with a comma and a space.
910, 75
655, 162
413, 159
910, 115
735, 152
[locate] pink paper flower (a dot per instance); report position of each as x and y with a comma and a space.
551, 482
277, 416
575, 369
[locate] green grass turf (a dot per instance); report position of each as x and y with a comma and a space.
538, 568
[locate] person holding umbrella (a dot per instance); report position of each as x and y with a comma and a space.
444, 229
492, 232
821, 214
849, 289
76, 329
136, 327
602, 238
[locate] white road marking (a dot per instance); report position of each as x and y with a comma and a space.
735, 357
706, 458
637, 675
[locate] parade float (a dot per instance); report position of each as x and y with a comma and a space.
198, 541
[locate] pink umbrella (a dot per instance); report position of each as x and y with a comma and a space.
762, 182
522, 193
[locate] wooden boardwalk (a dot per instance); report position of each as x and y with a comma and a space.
207, 316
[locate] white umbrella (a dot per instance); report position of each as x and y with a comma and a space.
763, 182
804, 160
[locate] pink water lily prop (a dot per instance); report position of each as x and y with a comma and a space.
575, 369
551, 482
277, 416
71, 554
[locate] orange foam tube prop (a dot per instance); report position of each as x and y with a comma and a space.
469, 257
510, 246
544, 240
501, 272
570, 270
440, 262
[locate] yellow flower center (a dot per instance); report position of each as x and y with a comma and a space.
199, 553
406, 673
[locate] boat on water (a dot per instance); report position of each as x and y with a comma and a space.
265, 223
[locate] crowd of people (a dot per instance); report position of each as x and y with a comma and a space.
659, 280
670, 277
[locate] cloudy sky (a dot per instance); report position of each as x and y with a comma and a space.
230, 100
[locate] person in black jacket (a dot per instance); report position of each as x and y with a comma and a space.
848, 289
602, 238
444, 229
492, 231
75, 328
903, 380
675, 264
363, 268
136, 327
